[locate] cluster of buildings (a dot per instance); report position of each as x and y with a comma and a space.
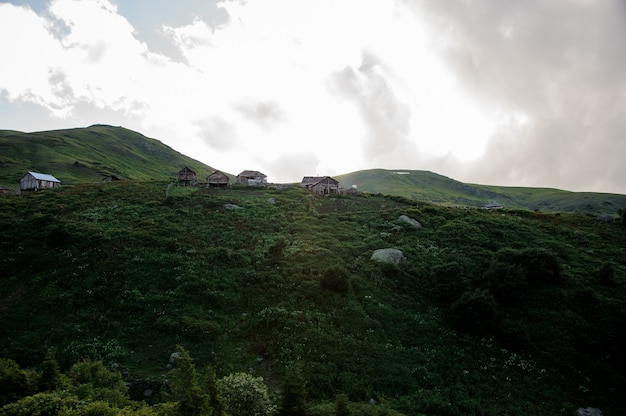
321, 185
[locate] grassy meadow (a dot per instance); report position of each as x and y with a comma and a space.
491, 313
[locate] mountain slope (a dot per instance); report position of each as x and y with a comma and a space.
430, 187
88, 154
490, 313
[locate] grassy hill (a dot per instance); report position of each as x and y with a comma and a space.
427, 186
490, 313
89, 154
84, 155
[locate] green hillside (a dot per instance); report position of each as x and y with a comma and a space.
89, 154
490, 313
431, 187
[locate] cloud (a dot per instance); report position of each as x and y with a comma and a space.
525, 93
556, 67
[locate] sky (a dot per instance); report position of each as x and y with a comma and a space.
513, 93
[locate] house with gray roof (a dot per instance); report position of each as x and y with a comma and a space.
34, 181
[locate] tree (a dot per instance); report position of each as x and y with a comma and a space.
16, 382
51, 377
184, 383
294, 399
209, 386
93, 381
245, 395
341, 406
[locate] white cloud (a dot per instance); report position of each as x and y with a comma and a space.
340, 85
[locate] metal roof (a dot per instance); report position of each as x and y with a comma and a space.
44, 177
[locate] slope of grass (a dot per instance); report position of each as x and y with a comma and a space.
431, 187
88, 154
491, 313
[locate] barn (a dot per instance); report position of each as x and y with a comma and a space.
252, 177
34, 181
321, 185
187, 176
217, 180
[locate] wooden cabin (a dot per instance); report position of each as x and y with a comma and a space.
187, 177
34, 181
321, 185
252, 177
217, 180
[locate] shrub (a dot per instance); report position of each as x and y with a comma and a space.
475, 312
16, 382
245, 395
448, 282
336, 279
540, 265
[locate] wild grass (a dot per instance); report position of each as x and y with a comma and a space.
491, 313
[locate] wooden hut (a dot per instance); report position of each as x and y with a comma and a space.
34, 181
217, 180
252, 177
321, 185
187, 177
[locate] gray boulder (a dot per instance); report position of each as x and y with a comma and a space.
388, 255
408, 220
231, 206
589, 411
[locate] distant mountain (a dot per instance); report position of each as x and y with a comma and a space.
89, 154
427, 186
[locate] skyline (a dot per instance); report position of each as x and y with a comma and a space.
522, 93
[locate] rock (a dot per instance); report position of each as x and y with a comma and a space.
231, 206
410, 221
272, 201
175, 356
388, 255
589, 411
147, 393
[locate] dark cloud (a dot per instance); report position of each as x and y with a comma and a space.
558, 66
386, 118
265, 114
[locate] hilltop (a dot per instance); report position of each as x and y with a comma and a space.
490, 312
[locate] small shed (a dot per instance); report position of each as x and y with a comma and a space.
187, 176
34, 181
252, 177
217, 180
321, 185
493, 205
111, 178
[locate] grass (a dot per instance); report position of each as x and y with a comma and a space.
122, 273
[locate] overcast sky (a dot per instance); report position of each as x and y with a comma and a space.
518, 92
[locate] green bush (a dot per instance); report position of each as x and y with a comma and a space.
475, 312
15, 382
336, 279
245, 395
